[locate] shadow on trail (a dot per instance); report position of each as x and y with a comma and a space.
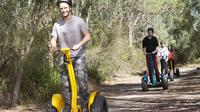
183, 95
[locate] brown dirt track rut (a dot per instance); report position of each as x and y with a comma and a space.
125, 95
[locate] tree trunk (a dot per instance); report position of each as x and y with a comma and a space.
36, 16
77, 6
121, 15
17, 88
130, 29
19, 76
131, 26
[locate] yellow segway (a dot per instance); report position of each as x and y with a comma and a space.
96, 102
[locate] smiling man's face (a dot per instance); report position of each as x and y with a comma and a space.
64, 9
150, 33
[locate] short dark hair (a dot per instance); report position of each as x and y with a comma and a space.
161, 43
69, 2
150, 29
170, 48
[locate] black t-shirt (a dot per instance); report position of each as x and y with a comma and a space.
150, 44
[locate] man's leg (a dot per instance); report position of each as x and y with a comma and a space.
161, 67
149, 68
173, 65
166, 67
156, 68
65, 89
82, 77
169, 64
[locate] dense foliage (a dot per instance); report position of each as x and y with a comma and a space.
117, 28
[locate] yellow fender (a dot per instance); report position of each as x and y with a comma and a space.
58, 102
91, 99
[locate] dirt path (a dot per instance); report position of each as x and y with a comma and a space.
183, 95
125, 95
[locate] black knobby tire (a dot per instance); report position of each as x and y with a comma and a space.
177, 72
50, 108
164, 82
99, 105
144, 85
171, 75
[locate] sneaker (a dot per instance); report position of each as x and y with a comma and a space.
84, 98
66, 109
85, 110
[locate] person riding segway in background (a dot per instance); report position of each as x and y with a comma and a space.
171, 62
163, 53
71, 32
171, 57
150, 46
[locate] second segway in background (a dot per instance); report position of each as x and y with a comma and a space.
171, 63
149, 80
163, 53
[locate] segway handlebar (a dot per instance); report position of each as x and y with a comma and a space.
66, 49
63, 49
149, 53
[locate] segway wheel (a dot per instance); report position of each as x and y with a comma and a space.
164, 82
50, 108
99, 105
144, 85
177, 72
171, 76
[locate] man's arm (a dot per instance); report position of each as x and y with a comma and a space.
157, 46
54, 35
144, 47
166, 53
86, 34
155, 50
144, 50
54, 43
85, 39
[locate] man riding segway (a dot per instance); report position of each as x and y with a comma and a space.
72, 32
171, 62
163, 53
150, 45
153, 79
